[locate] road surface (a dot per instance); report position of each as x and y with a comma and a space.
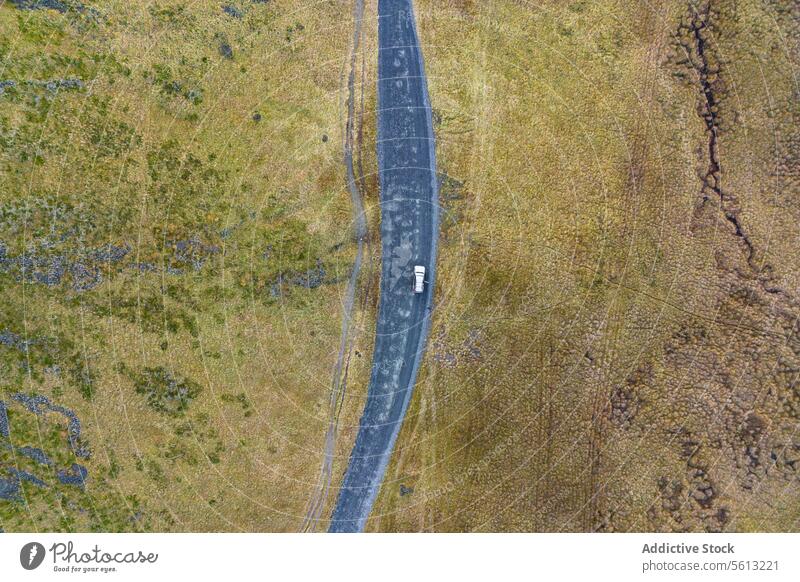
409, 232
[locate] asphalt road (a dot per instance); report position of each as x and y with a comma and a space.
409, 232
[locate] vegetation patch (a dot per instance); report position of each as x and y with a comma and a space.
165, 392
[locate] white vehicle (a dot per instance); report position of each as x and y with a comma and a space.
419, 278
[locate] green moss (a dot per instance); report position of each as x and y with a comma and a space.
240, 399
164, 391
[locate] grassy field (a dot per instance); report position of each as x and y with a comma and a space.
175, 244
